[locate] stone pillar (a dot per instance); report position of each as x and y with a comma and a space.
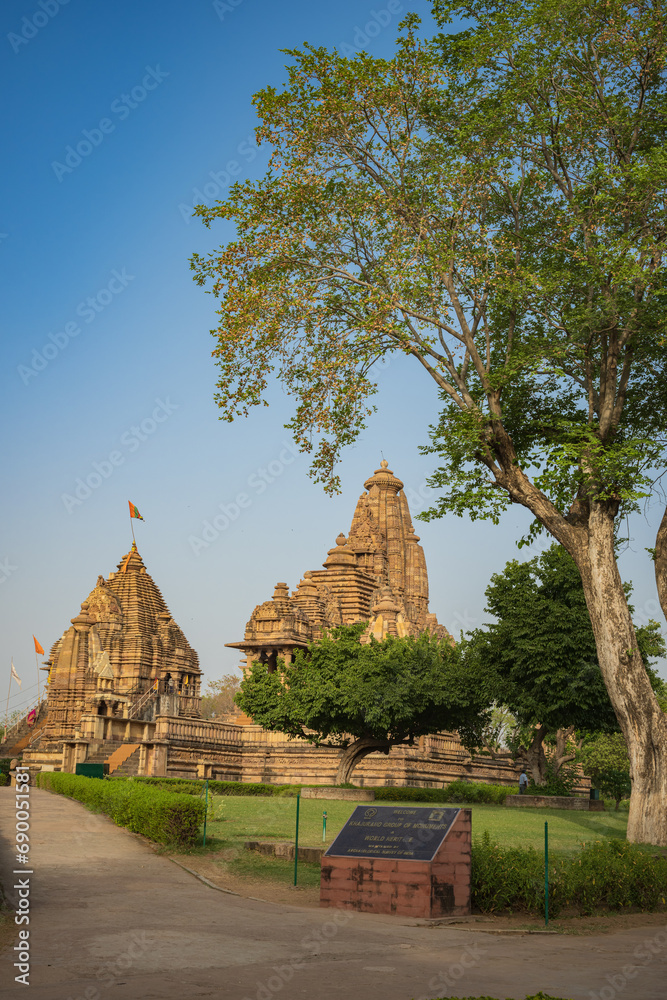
158, 767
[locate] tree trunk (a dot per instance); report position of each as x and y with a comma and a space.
642, 722
587, 533
355, 752
562, 754
535, 757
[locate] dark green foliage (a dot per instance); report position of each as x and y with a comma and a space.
555, 783
4, 764
506, 878
604, 757
605, 875
539, 659
540, 655
159, 815
479, 792
185, 787
391, 691
457, 791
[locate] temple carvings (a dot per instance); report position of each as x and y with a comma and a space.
124, 683
377, 574
122, 657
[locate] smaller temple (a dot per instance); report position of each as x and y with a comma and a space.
122, 660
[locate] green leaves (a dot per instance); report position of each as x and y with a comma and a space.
539, 657
341, 688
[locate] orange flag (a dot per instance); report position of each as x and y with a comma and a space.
38, 648
134, 511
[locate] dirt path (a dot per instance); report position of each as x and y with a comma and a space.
111, 918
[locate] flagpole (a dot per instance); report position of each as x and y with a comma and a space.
39, 696
7, 706
132, 527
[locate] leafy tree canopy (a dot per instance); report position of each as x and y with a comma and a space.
604, 758
492, 205
539, 657
385, 693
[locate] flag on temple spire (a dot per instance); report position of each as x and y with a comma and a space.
38, 646
134, 511
15, 675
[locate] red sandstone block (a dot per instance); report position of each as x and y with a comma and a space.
340, 862
412, 897
341, 873
340, 885
383, 865
443, 872
414, 866
337, 897
408, 878
378, 890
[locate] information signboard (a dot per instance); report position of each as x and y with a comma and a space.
404, 833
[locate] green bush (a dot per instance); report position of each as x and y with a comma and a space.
4, 779
607, 875
457, 791
555, 784
187, 786
398, 794
4, 765
159, 815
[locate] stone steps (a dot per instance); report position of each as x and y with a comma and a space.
130, 766
120, 756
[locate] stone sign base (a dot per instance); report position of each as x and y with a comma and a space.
436, 888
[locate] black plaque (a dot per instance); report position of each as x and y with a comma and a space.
406, 833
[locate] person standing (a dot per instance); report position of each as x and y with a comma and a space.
523, 783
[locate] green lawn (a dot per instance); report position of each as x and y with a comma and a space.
239, 818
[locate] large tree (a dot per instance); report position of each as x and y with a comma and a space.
539, 659
367, 697
491, 204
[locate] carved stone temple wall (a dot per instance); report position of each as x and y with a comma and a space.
123, 672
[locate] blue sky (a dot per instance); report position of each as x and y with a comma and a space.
118, 118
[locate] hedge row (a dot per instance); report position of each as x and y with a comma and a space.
186, 786
605, 875
457, 791
161, 816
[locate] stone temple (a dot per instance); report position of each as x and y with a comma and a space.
124, 683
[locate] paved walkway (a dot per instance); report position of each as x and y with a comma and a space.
111, 919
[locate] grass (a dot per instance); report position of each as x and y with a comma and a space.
264, 868
237, 819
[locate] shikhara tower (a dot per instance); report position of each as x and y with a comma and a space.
124, 681
123, 656
376, 574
